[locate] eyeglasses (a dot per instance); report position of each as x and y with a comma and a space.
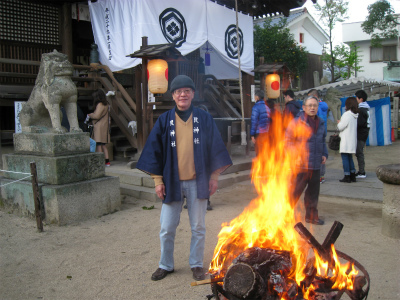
185, 91
311, 105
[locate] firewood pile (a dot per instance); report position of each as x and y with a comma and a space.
265, 274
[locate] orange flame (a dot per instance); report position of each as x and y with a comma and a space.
268, 221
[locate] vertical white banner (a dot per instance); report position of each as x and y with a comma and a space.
17, 109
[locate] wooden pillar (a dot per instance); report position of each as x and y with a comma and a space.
396, 117
145, 88
247, 81
66, 31
139, 119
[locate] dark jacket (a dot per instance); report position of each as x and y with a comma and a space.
316, 143
293, 107
159, 155
363, 121
260, 118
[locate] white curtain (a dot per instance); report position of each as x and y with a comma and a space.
119, 25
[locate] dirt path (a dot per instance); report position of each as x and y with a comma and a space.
113, 257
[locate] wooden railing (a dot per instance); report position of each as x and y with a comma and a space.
123, 108
220, 98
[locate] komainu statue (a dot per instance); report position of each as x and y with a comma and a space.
332, 98
53, 88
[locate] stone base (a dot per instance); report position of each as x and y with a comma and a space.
51, 144
65, 204
57, 170
391, 211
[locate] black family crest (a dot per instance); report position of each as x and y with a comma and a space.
173, 26
231, 43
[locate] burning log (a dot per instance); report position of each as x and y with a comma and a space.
258, 273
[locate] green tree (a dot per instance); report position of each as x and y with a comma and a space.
330, 13
277, 45
380, 23
347, 60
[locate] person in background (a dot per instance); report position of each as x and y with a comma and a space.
184, 154
322, 113
101, 122
309, 176
363, 125
260, 117
291, 106
347, 126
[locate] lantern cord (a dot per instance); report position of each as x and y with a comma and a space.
243, 124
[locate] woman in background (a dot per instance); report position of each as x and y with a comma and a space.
100, 121
347, 126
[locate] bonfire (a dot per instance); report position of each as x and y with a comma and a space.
266, 252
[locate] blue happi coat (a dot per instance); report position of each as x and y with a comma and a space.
159, 155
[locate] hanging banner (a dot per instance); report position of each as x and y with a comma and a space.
221, 28
119, 25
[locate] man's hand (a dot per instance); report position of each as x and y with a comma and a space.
212, 186
253, 140
323, 160
160, 191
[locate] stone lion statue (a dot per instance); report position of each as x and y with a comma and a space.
53, 88
332, 98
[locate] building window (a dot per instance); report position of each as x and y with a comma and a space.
384, 53
301, 38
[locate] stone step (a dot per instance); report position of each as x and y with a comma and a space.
148, 192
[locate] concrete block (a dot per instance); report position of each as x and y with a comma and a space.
50, 144
57, 170
72, 203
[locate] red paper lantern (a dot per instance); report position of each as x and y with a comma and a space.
273, 85
157, 76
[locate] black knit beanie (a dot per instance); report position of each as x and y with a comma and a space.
181, 81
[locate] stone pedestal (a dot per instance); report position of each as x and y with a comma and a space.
72, 182
390, 176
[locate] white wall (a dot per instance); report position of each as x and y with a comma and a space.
353, 32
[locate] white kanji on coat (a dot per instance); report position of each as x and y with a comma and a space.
195, 120
171, 122
173, 144
172, 132
196, 129
197, 141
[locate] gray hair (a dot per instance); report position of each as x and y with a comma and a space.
308, 98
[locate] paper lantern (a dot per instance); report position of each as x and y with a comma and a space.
273, 85
157, 76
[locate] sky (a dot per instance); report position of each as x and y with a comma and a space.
357, 12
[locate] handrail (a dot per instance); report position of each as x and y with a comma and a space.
223, 92
223, 89
119, 86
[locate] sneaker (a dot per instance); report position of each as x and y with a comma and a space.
322, 179
209, 205
198, 273
160, 274
361, 175
108, 164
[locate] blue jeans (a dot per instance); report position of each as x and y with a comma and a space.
348, 163
169, 219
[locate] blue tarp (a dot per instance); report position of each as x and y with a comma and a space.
380, 121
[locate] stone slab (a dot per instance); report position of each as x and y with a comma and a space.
57, 170
51, 144
65, 204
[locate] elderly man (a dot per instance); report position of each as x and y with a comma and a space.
309, 174
184, 153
